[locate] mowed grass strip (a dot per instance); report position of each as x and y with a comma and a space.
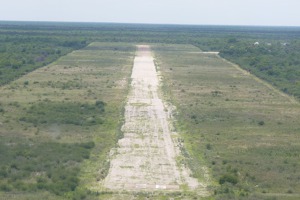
245, 132
61, 119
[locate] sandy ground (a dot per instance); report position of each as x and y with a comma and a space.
146, 157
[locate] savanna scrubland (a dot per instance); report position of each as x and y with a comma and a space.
65, 85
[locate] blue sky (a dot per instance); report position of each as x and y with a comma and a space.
212, 12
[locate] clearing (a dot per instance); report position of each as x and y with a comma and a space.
147, 158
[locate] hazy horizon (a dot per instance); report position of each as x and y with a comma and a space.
179, 12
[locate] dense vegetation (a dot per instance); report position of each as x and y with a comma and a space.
41, 166
277, 61
22, 51
65, 113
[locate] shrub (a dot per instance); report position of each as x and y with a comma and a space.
65, 113
26, 82
5, 187
208, 146
56, 166
229, 178
88, 145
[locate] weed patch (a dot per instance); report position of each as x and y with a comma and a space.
65, 113
244, 131
28, 166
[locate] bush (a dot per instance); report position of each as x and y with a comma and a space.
26, 82
5, 187
88, 145
55, 166
208, 146
229, 178
65, 113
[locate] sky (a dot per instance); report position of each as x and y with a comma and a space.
199, 12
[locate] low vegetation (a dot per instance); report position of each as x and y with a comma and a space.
61, 111
271, 53
31, 166
276, 61
61, 119
242, 129
65, 113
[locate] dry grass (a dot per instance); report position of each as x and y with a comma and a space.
82, 77
70, 79
230, 121
233, 122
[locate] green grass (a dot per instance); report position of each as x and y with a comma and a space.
59, 122
276, 61
21, 53
33, 166
239, 127
244, 131
65, 113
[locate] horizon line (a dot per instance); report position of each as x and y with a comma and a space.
147, 23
